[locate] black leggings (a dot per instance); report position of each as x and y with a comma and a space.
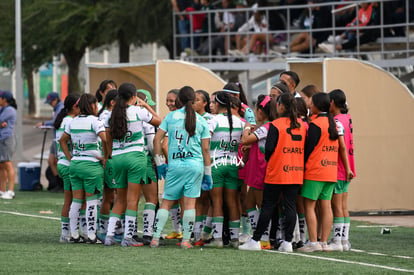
271, 194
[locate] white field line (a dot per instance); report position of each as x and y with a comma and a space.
376, 226
381, 254
29, 215
343, 261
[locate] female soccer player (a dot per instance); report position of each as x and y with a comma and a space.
202, 106
86, 171
346, 166
69, 111
150, 190
104, 87
125, 134
188, 163
284, 151
265, 114
226, 130
321, 157
108, 186
236, 89
171, 102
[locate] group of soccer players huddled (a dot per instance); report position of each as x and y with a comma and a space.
275, 177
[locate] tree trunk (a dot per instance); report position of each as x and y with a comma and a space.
168, 44
32, 105
123, 48
73, 58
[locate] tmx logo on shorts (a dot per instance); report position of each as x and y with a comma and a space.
224, 160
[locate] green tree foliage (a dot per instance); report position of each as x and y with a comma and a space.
72, 27
68, 27
137, 23
34, 51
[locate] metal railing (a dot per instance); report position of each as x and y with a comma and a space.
388, 51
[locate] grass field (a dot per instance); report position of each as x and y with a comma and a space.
30, 230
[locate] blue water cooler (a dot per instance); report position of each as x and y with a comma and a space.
29, 176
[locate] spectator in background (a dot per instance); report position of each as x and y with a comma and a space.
365, 35
320, 17
196, 23
7, 143
257, 24
344, 16
223, 22
52, 174
263, 39
363, 18
208, 22
295, 14
396, 13
208, 27
183, 21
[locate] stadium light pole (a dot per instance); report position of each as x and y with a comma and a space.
19, 82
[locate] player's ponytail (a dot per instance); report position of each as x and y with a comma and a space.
322, 103
118, 122
70, 101
339, 99
268, 106
110, 95
289, 102
85, 104
223, 99
186, 97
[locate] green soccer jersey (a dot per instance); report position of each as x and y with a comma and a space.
134, 138
84, 131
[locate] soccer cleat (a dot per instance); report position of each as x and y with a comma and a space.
234, 243
119, 237
310, 247
93, 241
285, 247
244, 238
346, 245
101, 237
130, 242
77, 240
332, 246
8, 195
146, 240
186, 244
205, 236
199, 243
155, 243
110, 240
64, 239
174, 235
215, 243
299, 244
265, 245
251, 245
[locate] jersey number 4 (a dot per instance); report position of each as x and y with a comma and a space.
180, 138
